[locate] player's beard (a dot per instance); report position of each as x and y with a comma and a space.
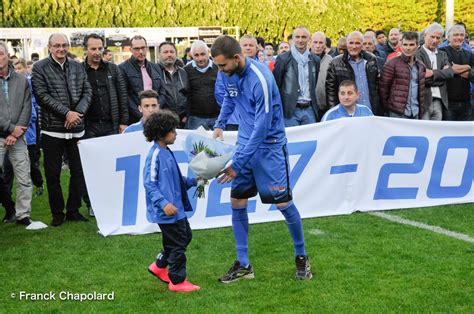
234, 70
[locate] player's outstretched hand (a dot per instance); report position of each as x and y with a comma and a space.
170, 210
218, 134
226, 175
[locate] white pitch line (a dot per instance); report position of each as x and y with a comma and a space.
316, 232
420, 225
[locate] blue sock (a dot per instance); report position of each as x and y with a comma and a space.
293, 220
240, 226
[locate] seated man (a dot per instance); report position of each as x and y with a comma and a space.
348, 106
148, 104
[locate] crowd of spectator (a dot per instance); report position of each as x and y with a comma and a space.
48, 105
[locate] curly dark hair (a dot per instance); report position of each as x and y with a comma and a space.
160, 123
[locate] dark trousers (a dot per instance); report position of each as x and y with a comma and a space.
6, 181
96, 129
176, 238
458, 111
35, 172
53, 149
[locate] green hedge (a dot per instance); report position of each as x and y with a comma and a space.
271, 19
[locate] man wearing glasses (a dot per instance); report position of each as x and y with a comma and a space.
63, 92
140, 74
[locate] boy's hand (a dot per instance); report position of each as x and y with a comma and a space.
122, 128
170, 210
204, 181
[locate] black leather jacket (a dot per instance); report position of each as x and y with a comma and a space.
340, 70
176, 86
286, 76
117, 89
59, 91
133, 77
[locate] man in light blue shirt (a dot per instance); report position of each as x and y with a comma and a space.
347, 107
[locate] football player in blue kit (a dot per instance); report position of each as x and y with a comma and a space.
260, 163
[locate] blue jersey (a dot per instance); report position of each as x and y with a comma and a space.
253, 93
138, 126
219, 93
164, 184
339, 111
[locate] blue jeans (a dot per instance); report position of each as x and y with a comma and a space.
301, 117
195, 122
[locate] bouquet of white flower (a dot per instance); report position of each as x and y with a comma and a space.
207, 157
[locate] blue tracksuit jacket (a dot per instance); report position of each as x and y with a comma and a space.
255, 96
164, 184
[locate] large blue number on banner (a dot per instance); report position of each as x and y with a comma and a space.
382, 191
131, 166
435, 190
305, 150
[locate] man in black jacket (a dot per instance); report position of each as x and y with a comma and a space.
459, 90
175, 82
368, 45
202, 74
358, 66
140, 75
108, 112
63, 93
296, 74
438, 71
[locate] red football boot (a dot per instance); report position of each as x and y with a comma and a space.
184, 286
160, 273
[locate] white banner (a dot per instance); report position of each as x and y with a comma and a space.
337, 167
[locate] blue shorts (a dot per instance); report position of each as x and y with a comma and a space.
267, 173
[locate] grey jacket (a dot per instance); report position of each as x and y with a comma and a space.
439, 77
321, 86
286, 77
18, 111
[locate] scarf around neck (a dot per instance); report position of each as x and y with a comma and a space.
302, 59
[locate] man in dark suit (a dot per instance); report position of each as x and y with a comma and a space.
296, 74
438, 70
108, 111
462, 64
